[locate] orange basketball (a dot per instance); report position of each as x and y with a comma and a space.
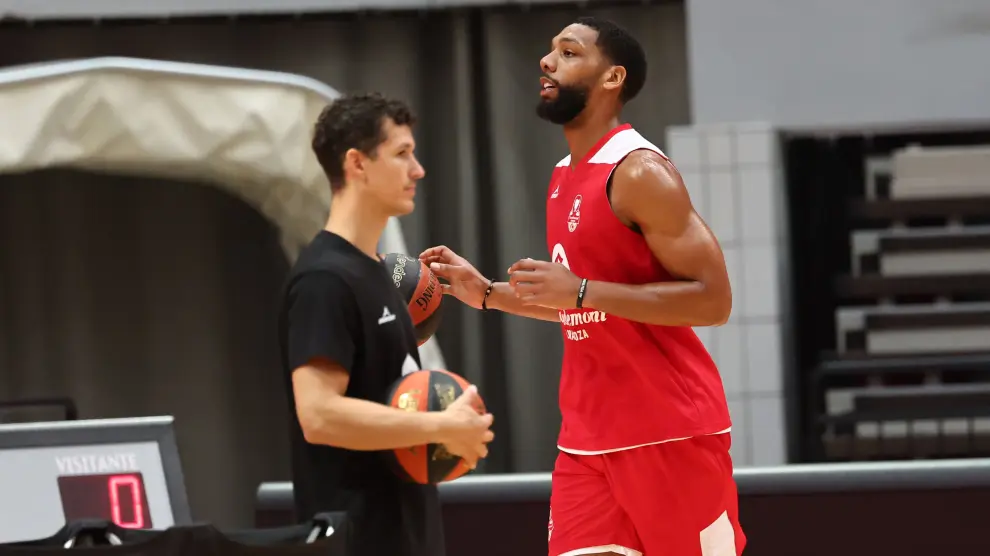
420, 289
427, 391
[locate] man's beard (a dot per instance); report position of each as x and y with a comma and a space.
569, 104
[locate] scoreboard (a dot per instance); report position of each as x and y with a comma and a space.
126, 471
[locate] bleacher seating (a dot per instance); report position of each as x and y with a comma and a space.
910, 377
938, 173
914, 328
922, 252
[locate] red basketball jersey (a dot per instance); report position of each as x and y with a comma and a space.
624, 384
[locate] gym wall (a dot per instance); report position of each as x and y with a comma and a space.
859, 64
764, 68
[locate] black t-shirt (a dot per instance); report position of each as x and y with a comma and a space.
341, 304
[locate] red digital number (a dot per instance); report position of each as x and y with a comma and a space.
115, 484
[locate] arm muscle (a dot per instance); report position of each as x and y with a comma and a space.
324, 333
648, 191
328, 416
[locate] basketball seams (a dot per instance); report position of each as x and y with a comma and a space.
429, 324
421, 291
439, 470
428, 288
417, 464
412, 460
431, 449
460, 468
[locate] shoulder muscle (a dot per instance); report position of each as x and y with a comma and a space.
648, 191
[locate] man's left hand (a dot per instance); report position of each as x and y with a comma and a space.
544, 283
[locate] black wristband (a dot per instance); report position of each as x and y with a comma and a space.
484, 300
581, 290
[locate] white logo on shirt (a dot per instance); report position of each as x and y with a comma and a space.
558, 256
556, 192
574, 217
409, 365
386, 317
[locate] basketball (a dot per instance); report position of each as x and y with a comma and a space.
430, 390
420, 289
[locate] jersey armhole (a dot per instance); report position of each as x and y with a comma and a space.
608, 189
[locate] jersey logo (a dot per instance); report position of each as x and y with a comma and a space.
386, 317
558, 256
409, 365
556, 192
574, 217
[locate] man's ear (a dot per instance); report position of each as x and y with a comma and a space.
354, 161
615, 77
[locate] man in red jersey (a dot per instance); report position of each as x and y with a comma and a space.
644, 464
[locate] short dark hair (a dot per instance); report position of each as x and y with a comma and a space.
355, 121
622, 49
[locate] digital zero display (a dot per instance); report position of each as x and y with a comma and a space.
123, 471
119, 498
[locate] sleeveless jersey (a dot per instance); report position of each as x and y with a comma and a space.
623, 384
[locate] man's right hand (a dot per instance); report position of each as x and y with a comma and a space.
466, 429
463, 280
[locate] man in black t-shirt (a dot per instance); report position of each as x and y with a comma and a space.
346, 336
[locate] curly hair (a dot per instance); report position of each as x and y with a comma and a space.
622, 49
355, 121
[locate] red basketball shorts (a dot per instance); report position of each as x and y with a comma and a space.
672, 499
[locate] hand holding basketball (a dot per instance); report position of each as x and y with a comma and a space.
467, 430
463, 280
